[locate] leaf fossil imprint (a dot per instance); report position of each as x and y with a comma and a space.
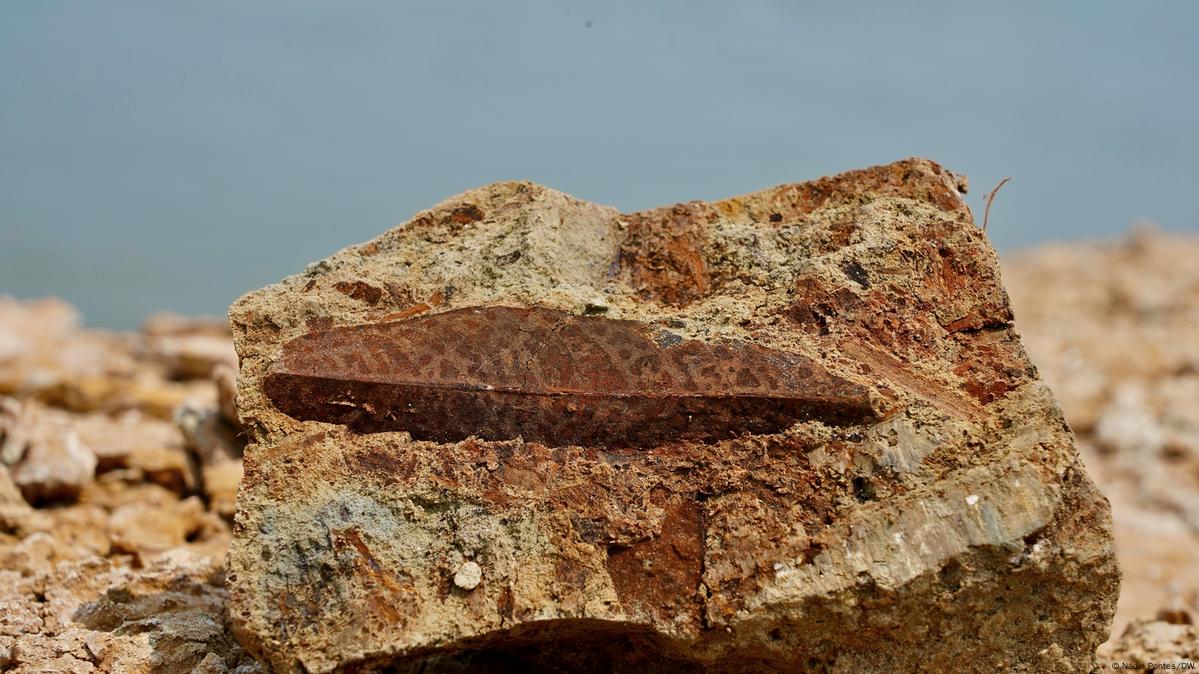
551, 377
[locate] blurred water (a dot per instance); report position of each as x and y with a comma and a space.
174, 155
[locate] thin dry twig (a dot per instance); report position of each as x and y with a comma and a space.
990, 198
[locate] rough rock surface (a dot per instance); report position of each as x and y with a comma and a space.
950, 525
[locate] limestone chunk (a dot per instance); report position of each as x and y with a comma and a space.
834, 453
56, 464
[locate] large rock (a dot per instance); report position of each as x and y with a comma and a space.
787, 431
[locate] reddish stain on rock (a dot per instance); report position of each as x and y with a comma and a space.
666, 263
661, 576
500, 373
466, 214
361, 291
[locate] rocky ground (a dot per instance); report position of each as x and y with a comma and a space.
1114, 329
120, 458
119, 465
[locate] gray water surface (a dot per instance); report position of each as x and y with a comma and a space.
169, 155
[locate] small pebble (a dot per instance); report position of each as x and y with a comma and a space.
468, 576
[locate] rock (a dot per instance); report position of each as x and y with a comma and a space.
36, 553
46, 355
217, 446
95, 616
168, 324
91, 443
16, 429
188, 347
135, 441
116, 569
165, 465
146, 527
226, 385
26, 327
1113, 327
1154, 642
66, 653
9, 493
468, 576
221, 481
55, 463
835, 453
44, 352
44, 538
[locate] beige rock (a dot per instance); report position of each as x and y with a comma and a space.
42, 539
44, 354
9, 493
115, 573
18, 616
26, 329
115, 438
95, 616
468, 576
165, 465
189, 347
16, 429
61, 452
65, 652
168, 324
226, 384
929, 509
44, 351
55, 464
1114, 329
135, 441
194, 356
1154, 642
217, 446
221, 481
146, 527
37, 552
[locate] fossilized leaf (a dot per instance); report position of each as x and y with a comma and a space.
547, 376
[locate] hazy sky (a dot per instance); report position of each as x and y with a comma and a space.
171, 155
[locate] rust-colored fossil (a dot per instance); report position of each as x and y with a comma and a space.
547, 376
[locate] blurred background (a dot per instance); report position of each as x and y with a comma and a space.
171, 156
